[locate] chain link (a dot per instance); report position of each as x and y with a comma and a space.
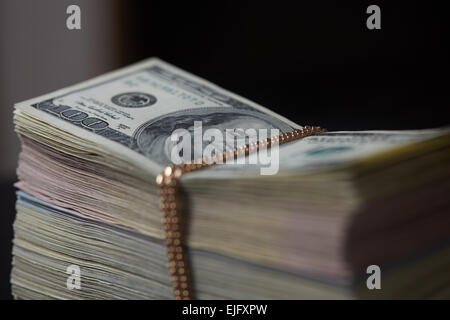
172, 204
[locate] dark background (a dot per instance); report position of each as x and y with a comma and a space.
314, 63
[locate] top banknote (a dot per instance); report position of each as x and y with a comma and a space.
139, 107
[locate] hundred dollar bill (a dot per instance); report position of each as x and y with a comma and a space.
132, 112
333, 150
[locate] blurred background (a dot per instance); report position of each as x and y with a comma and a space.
314, 63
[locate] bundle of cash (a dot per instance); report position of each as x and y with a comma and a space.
328, 215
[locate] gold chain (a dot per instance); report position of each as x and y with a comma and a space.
172, 206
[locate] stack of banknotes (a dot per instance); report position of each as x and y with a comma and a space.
334, 215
